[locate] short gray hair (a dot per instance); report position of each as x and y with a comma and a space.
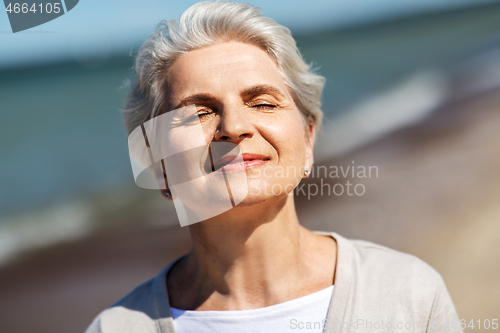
208, 23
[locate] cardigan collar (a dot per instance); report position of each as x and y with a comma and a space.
338, 304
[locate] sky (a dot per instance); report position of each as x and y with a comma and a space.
96, 28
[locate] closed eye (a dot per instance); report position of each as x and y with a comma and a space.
263, 106
200, 116
205, 111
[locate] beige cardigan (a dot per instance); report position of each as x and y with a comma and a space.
376, 290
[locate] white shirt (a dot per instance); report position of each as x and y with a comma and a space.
306, 314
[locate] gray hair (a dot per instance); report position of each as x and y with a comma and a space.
208, 23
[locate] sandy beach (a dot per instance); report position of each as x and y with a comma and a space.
437, 196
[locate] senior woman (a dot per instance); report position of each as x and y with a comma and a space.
252, 266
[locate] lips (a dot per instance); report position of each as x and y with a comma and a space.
231, 162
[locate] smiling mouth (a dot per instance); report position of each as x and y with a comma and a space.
236, 163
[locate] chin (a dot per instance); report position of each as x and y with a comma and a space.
261, 191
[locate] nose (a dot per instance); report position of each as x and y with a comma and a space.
234, 126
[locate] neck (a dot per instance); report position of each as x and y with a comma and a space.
242, 255
246, 232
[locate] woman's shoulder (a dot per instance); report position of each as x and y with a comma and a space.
133, 309
380, 257
137, 312
374, 281
376, 264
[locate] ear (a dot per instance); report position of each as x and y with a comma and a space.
310, 138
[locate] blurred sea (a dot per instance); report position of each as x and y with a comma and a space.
62, 138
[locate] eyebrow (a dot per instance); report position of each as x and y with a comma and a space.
252, 91
193, 99
262, 89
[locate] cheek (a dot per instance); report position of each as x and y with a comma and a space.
209, 129
287, 137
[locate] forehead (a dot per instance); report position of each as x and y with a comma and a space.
222, 68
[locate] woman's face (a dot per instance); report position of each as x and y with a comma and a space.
240, 98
